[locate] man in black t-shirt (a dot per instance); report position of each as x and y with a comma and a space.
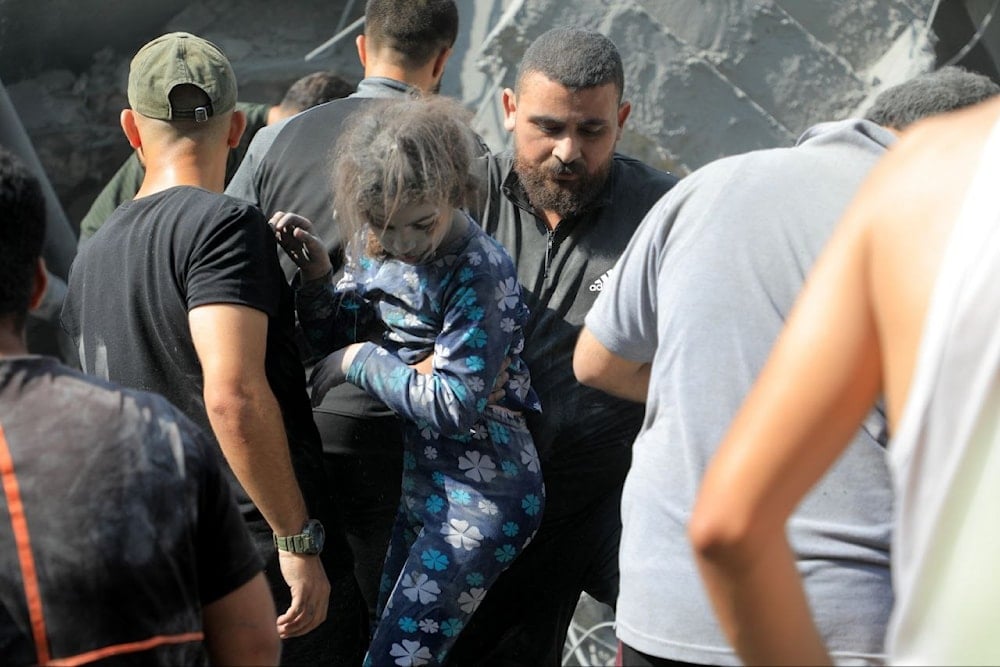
180, 292
118, 533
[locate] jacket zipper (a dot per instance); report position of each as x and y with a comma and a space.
549, 237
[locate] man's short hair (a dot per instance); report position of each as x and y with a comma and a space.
574, 58
315, 89
176, 59
417, 30
927, 94
22, 233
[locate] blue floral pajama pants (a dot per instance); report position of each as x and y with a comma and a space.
469, 506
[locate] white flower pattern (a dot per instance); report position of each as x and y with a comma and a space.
460, 534
410, 654
470, 600
477, 466
508, 294
529, 457
418, 586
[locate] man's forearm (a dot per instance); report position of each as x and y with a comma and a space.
249, 427
596, 366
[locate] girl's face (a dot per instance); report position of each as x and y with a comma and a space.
414, 232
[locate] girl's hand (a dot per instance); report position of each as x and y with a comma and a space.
332, 371
294, 235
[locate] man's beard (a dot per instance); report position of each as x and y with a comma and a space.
564, 198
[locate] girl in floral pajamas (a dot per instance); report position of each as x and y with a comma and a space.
432, 309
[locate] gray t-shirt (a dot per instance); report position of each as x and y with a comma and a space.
702, 292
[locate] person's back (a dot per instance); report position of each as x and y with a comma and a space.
181, 292
174, 251
287, 168
901, 302
713, 272
121, 539
936, 307
124, 510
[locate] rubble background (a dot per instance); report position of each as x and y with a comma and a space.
706, 78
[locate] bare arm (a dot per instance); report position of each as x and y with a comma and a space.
821, 379
596, 366
239, 627
230, 341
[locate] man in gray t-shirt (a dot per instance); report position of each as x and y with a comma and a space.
685, 324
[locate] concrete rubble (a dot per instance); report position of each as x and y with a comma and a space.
706, 79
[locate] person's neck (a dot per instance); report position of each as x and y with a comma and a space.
12, 342
183, 168
552, 219
459, 227
418, 78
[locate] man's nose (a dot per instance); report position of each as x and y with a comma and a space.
567, 149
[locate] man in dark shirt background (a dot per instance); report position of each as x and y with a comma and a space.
564, 204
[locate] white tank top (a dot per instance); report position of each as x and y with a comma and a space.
945, 457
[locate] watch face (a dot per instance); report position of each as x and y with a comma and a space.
314, 529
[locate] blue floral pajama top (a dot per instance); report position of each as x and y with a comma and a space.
472, 486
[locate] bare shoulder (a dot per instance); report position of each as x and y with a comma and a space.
922, 181
908, 206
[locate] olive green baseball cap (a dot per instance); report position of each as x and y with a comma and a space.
174, 59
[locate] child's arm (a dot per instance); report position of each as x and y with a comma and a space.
329, 318
482, 326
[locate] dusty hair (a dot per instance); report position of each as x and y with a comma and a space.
399, 152
946, 89
574, 58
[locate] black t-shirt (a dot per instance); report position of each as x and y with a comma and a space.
582, 434
131, 525
156, 258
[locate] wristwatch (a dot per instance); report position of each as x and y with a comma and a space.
309, 541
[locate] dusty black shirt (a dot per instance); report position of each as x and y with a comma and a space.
155, 259
131, 525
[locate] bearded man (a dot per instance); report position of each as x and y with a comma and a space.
564, 204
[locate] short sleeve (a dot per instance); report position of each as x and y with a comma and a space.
235, 261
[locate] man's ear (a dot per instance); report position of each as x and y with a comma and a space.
623, 111
129, 127
237, 125
509, 101
439, 63
39, 284
362, 49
